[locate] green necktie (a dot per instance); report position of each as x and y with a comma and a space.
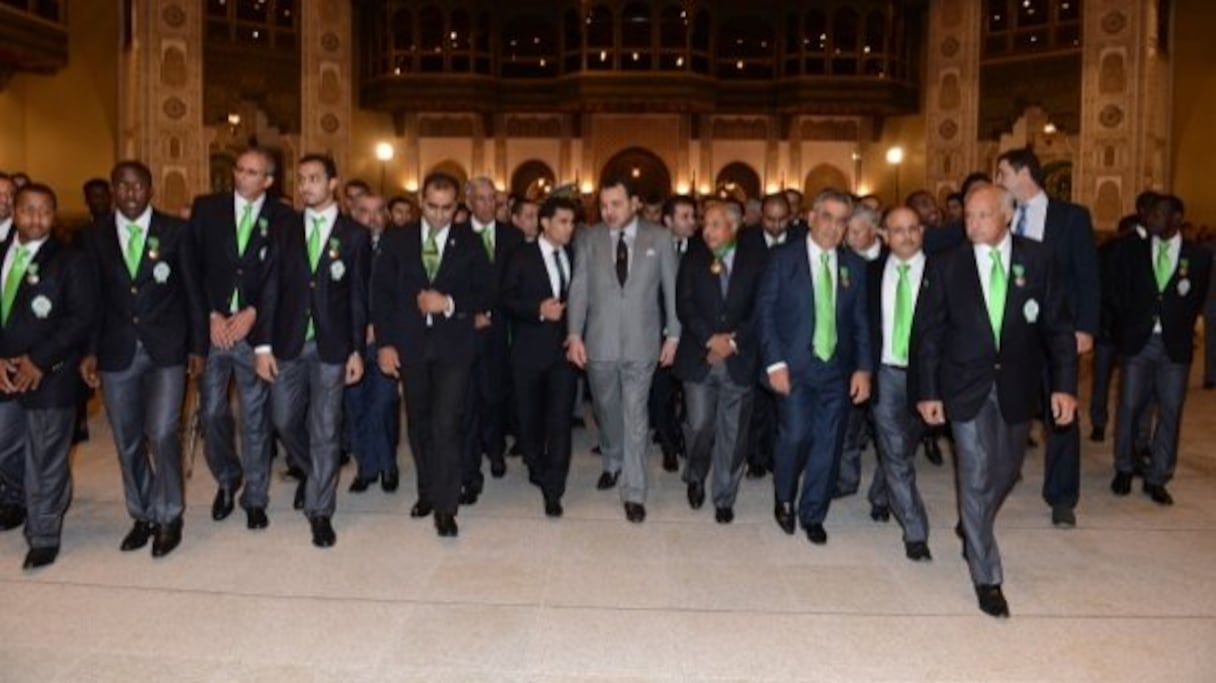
996, 295
1164, 268
244, 229
903, 315
825, 311
487, 238
314, 257
135, 247
430, 253
13, 281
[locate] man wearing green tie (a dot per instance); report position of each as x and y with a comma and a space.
990, 318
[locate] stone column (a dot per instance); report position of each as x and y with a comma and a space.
326, 86
1124, 109
952, 94
160, 88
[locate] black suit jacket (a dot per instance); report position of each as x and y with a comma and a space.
168, 317
953, 355
1069, 233
536, 344
213, 228
1133, 304
335, 295
506, 239
704, 312
464, 275
942, 238
753, 238
51, 320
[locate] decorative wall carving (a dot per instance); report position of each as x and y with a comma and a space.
534, 127
1112, 75
838, 130
325, 85
445, 126
740, 128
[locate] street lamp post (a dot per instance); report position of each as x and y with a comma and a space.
384, 152
895, 157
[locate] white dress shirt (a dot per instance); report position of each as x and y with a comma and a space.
547, 250
1035, 209
239, 203
872, 252
124, 236
631, 235
890, 280
441, 242
1173, 246
770, 241
813, 252
11, 256
983, 263
480, 228
330, 214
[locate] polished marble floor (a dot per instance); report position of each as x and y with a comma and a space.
1128, 595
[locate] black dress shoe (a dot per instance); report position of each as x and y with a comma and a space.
344, 458
724, 515
815, 533
918, 551
40, 557
1098, 435
137, 537
553, 507
607, 480
359, 484
880, 513
420, 509
696, 495
596, 450
933, 452
167, 537
445, 525
294, 472
756, 471
255, 518
222, 506
469, 495
671, 461
323, 535
992, 600
1063, 517
784, 514
390, 480
1158, 494
11, 517
297, 503
635, 512
498, 468
1121, 485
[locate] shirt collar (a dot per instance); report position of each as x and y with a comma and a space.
546, 246
478, 226
1005, 246
816, 250
31, 247
873, 251
240, 203
1172, 243
1038, 202
916, 261
144, 220
330, 213
631, 228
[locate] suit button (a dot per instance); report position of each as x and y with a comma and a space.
312, 285
996, 366
135, 320
134, 289
238, 272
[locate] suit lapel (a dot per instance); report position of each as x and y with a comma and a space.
21, 300
641, 243
971, 275
228, 223
448, 252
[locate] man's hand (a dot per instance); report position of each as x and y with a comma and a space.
388, 362
7, 368
221, 335
88, 372
667, 354
576, 353
551, 309
859, 387
354, 368
480, 321
1063, 408
432, 302
240, 323
28, 375
932, 412
194, 365
719, 345
1085, 343
780, 379
266, 367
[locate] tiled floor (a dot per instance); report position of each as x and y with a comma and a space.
1129, 595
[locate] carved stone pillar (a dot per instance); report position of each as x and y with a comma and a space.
161, 98
325, 60
1124, 109
952, 96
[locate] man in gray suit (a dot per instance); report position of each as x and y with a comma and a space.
613, 322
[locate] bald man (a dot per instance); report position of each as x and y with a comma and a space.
990, 318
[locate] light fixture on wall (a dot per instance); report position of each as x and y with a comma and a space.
234, 122
1049, 129
895, 157
384, 152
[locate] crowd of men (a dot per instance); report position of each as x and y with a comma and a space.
749, 337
